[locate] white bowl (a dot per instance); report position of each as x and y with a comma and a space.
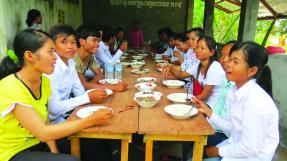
146, 79
137, 57
180, 111
137, 71
148, 93
108, 91
123, 57
124, 64
145, 86
136, 65
179, 97
88, 111
109, 81
173, 83
145, 102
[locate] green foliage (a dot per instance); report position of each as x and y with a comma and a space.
223, 21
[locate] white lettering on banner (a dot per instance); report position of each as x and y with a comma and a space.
145, 3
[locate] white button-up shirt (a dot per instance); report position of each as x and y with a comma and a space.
252, 124
104, 55
64, 81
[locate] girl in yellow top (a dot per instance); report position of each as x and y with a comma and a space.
25, 134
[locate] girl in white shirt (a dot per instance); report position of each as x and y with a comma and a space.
210, 72
253, 116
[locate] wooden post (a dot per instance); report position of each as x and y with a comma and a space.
208, 17
189, 13
248, 19
268, 33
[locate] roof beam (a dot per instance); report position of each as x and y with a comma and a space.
272, 17
269, 8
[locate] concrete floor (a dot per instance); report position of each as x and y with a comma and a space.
174, 148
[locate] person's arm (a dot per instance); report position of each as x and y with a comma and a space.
178, 73
52, 146
207, 90
223, 123
120, 87
179, 56
119, 53
252, 137
31, 120
98, 74
102, 56
58, 105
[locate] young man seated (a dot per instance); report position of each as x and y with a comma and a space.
85, 61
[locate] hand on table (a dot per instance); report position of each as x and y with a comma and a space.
97, 96
102, 116
166, 71
202, 107
120, 87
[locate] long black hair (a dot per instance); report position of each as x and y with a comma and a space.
211, 44
27, 40
256, 56
31, 16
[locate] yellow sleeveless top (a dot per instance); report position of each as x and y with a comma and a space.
13, 137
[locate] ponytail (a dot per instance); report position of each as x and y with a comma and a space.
27, 40
265, 81
8, 67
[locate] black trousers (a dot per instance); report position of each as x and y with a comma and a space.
91, 150
41, 152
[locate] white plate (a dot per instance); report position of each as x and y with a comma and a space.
109, 81
146, 79
151, 93
173, 83
180, 111
179, 97
136, 71
108, 91
125, 63
88, 111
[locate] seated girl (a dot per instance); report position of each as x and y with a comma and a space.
253, 117
26, 134
220, 108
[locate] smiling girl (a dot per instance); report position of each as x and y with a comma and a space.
253, 116
25, 131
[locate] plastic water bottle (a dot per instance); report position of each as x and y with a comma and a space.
109, 70
118, 70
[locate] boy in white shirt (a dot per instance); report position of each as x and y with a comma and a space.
65, 80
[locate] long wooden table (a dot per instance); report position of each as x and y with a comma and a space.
157, 125
154, 123
121, 126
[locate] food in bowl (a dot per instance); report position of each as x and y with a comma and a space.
145, 86
148, 93
146, 101
147, 79
137, 65
138, 71
137, 57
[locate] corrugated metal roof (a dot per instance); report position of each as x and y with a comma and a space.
268, 9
